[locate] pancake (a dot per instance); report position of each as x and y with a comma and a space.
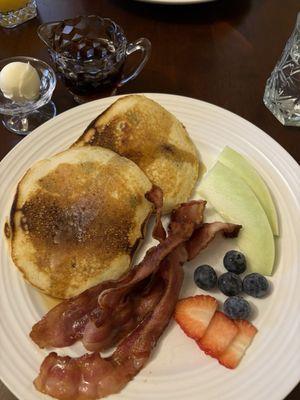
143, 131
77, 218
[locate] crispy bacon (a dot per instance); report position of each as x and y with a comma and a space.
156, 197
206, 233
91, 376
187, 213
64, 324
99, 336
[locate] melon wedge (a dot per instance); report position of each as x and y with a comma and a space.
241, 166
235, 201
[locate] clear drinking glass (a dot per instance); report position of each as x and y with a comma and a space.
89, 53
15, 12
282, 92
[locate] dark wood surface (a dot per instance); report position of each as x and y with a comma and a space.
220, 52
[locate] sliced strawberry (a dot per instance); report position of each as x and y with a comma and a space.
218, 335
193, 314
237, 348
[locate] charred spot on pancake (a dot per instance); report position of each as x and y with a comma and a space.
176, 154
167, 148
13, 211
90, 136
134, 155
7, 231
106, 137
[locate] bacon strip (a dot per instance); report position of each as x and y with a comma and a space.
206, 233
187, 213
98, 336
156, 197
64, 324
91, 376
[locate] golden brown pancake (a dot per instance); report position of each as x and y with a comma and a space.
140, 129
77, 218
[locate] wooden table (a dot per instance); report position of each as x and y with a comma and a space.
221, 52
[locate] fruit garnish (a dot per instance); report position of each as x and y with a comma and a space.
236, 307
256, 285
235, 261
241, 166
218, 336
230, 284
205, 277
194, 314
237, 348
234, 200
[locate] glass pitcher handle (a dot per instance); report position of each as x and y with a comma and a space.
144, 46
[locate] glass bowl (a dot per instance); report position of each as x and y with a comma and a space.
23, 117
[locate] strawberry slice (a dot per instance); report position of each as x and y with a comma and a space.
218, 336
237, 348
193, 314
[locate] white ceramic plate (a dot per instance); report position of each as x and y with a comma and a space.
178, 369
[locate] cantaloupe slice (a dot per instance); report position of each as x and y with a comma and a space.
234, 200
241, 166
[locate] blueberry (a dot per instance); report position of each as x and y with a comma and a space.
236, 307
205, 277
255, 285
234, 261
230, 284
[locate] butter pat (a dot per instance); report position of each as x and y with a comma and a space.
20, 82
